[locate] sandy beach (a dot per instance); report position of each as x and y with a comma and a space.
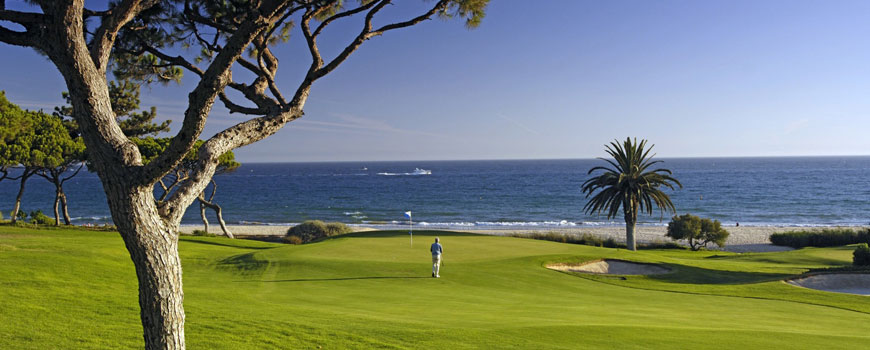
742, 239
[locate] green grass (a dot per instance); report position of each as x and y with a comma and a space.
64, 289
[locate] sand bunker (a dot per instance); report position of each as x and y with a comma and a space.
612, 267
852, 283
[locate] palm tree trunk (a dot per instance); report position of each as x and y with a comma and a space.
630, 210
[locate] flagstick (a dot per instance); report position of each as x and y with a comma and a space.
411, 230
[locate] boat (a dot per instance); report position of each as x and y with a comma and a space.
418, 171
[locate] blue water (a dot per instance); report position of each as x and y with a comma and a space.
794, 191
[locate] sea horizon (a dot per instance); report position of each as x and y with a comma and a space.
791, 191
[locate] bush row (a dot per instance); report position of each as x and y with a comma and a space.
592, 240
821, 238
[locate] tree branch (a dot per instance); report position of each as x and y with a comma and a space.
104, 37
201, 99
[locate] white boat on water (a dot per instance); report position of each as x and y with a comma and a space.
418, 171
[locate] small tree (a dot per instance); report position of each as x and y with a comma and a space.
699, 232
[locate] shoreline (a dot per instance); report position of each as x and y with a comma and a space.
741, 238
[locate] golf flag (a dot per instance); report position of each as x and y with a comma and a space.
410, 228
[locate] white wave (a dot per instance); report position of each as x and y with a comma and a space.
80, 218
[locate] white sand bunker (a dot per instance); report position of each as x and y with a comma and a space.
612, 267
852, 283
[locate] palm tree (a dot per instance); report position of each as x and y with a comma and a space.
629, 184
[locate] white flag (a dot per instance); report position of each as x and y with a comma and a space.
408, 214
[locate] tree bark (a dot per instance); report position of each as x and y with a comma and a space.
202, 215
56, 207
64, 209
218, 212
24, 176
630, 210
153, 247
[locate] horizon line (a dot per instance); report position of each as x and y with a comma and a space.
526, 159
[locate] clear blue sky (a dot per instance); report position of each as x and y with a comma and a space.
558, 79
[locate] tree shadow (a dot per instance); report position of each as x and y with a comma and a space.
341, 279
222, 244
695, 275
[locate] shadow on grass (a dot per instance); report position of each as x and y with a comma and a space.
222, 242
342, 279
245, 263
696, 275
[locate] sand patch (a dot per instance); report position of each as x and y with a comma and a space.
852, 283
612, 267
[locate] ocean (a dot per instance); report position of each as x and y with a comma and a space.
775, 191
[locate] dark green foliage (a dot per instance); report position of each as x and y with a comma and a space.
22, 214
861, 255
313, 230
697, 231
822, 238
38, 218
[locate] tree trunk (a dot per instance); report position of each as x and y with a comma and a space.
153, 247
218, 212
202, 215
56, 205
630, 210
24, 177
629, 235
64, 208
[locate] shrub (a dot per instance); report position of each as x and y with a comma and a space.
202, 233
821, 238
22, 214
313, 230
337, 228
699, 232
861, 255
38, 218
292, 240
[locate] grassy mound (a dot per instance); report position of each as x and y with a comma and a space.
77, 289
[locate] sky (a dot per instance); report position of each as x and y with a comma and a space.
559, 79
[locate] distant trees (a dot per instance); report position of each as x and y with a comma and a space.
54, 152
41, 145
697, 231
630, 184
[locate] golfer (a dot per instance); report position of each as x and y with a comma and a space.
436, 257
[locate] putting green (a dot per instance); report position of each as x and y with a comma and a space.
77, 289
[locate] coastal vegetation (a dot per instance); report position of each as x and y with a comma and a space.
827, 237
315, 230
630, 184
73, 288
592, 240
697, 231
861, 255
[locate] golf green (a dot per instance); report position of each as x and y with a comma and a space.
70, 288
